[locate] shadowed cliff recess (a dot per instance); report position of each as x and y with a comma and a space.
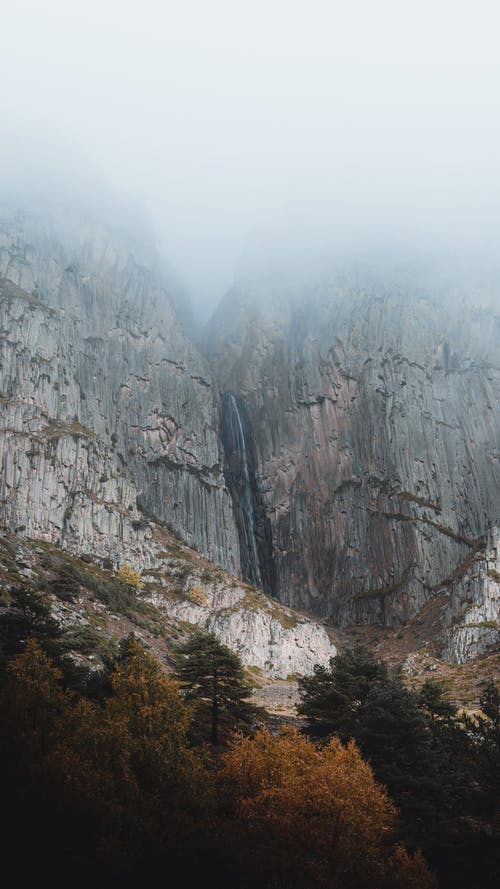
254, 527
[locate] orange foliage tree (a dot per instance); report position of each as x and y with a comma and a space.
124, 769
119, 785
33, 702
315, 815
130, 759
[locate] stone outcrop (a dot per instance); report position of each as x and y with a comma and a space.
178, 590
474, 607
276, 640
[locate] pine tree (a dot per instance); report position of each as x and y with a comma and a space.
489, 702
213, 674
332, 696
28, 617
432, 701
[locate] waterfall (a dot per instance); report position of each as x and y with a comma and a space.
241, 482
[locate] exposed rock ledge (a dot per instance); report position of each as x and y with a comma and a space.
277, 640
474, 607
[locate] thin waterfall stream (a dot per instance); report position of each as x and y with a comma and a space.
241, 481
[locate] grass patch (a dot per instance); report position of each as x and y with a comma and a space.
56, 429
208, 575
420, 501
287, 621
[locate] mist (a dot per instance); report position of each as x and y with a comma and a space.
279, 128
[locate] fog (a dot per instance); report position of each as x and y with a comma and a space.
243, 125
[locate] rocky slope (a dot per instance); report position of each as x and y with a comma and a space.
182, 591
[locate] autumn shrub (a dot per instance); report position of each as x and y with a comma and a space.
129, 577
197, 594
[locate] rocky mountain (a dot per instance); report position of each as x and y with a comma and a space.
105, 401
334, 444
109, 433
371, 410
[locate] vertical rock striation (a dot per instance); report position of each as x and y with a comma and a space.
106, 404
474, 606
374, 407
339, 446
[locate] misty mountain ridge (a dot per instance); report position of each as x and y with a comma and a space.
335, 439
250, 443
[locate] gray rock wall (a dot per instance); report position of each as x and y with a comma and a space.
104, 399
370, 406
376, 421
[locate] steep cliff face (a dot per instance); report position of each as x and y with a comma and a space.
107, 421
339, 447
106, 405
373, 407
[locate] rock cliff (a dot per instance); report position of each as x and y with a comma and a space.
106, 404
372, 413
474, 607
109, 430
336, 444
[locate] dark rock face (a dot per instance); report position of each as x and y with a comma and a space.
374, 411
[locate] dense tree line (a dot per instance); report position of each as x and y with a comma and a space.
441, 768
102, 782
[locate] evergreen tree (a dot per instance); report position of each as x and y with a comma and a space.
332, 696
28, 617
213, 674
397, 738
432, 700
441, 768
483, 734
400, 732
489, 701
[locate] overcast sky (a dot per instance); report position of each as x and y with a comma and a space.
231, 118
